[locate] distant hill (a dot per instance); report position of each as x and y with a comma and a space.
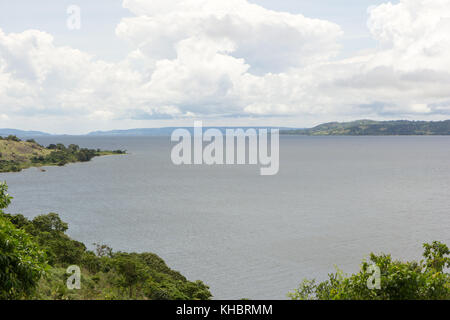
375, 128
135, 132
354, 128
167, 131
22, 133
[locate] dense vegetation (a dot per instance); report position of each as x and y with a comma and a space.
376, 128
16, 155
425, 280
35, 254
22, 263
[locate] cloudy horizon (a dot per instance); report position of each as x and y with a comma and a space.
136, 63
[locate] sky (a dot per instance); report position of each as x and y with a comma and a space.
290, 63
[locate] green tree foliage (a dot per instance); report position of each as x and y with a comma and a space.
424, 280
21, 261
5, 198
13, 138
147, 275
25, 244
50, 223
73, 153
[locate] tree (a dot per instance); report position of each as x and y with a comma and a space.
49, 232
131, 271
13, 138
103, 250
435, 255
5, 198
61, 147
424, 280
50, 222
73, 148
21, 261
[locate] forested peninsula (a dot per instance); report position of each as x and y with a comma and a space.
16, 155
376, 128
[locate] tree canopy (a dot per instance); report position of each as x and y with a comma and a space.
22, 262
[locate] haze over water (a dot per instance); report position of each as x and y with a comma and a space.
334, 200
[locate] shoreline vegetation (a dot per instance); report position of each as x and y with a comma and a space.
16, 155
36, 254
383, 278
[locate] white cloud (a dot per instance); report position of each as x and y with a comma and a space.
269, 41
410, 71
214, 58
39, 78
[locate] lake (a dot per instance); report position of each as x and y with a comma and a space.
334, 200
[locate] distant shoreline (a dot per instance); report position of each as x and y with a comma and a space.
376, 128
353, 128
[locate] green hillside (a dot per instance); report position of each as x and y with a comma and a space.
376, 128
16, 154
21, 151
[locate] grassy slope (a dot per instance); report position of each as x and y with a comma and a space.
21, 153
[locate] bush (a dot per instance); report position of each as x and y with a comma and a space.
21, 261
13, 138
424, 280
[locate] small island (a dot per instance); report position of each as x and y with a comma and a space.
16, 155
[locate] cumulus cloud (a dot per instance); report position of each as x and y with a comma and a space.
220, 57
268, 41
36, 78
410, 71
214, 58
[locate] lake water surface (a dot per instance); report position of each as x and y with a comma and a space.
334, 201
